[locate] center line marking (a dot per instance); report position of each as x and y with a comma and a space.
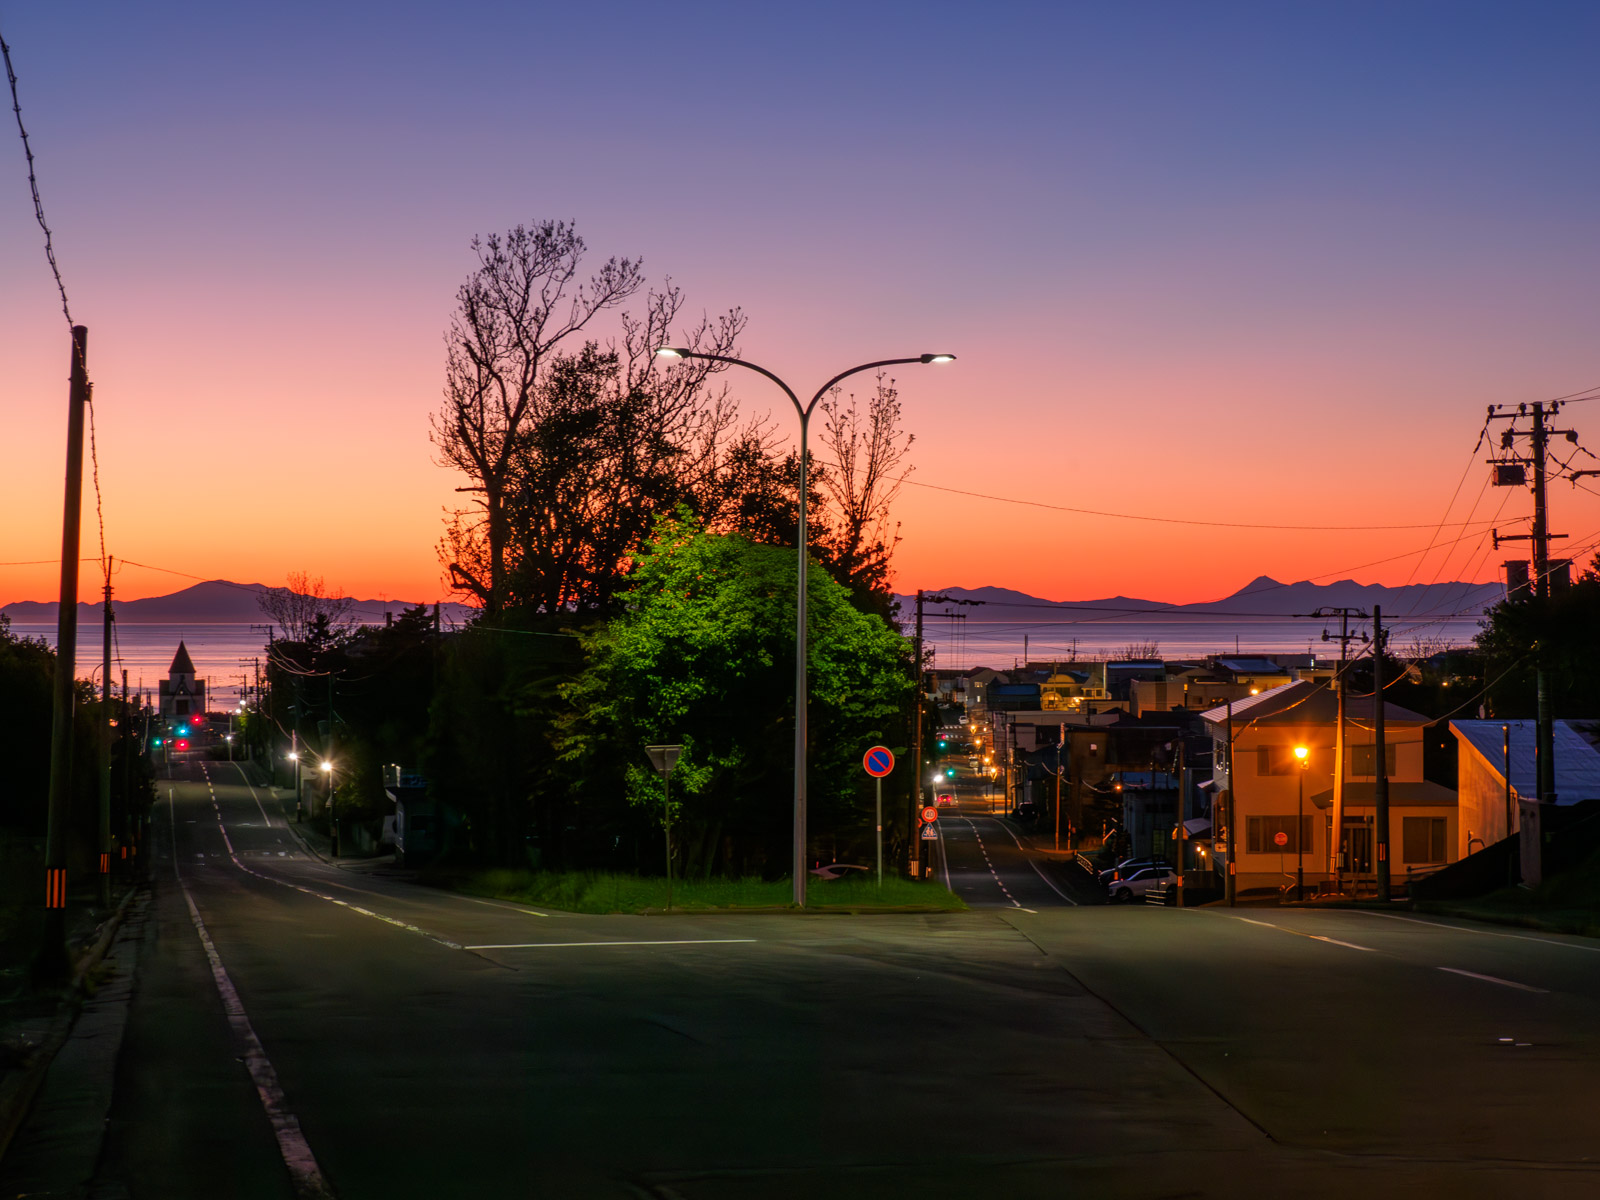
554, 945
1510, 983
1317, 937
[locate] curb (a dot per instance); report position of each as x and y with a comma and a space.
17, 1095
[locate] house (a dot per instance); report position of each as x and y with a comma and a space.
1489, 809
182, 695
1281, 810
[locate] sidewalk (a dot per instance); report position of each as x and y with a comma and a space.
58, 1050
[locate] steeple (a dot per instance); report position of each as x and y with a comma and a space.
182, 664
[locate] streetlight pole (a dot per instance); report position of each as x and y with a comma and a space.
1304, 755
803, 411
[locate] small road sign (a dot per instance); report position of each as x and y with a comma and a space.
1281, 838
930, 814
930, 833
879, 761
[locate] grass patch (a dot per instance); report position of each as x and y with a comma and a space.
1564, 903
606, 892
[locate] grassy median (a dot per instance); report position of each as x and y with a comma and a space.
605, 892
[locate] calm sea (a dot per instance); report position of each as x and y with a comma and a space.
224, 655
961, 644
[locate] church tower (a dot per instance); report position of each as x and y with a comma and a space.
182, 695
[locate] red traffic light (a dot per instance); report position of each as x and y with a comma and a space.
198, 719
183, 743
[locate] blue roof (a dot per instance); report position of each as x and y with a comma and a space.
1577, 762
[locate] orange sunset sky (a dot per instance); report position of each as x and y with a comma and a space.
1231, 264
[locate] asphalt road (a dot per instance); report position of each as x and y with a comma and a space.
386, 1040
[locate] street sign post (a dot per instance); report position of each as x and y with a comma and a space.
879, 761
930, 814
930, 833
1281, 838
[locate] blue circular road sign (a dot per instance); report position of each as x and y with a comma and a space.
879, 761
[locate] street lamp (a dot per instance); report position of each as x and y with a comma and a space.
1304, 756
294, 757
804, 413
333, 821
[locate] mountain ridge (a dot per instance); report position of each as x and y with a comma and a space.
1263, 596
213, 602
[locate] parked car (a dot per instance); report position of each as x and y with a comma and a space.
840, 871
1127, 867
1124, 890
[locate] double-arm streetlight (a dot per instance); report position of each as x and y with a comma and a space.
804, 412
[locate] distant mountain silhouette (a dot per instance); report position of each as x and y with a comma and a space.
215, 602
1263, 596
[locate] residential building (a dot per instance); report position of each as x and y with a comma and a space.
1281, 810
1489, 809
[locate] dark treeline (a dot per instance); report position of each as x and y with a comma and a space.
629, 540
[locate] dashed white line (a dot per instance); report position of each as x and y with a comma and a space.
1510, 983
660, 942
292, 1145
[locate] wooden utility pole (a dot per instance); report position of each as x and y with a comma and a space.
104, 742
1380, 766
1231, 880
1336, 829
52, 966
913, 840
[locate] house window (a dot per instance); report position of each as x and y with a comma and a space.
1275, 760
1261, 835
1364, 759
1422, 839
181, 708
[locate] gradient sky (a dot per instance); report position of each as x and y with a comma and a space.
1249, 263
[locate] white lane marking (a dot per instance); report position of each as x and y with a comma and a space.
986, 861
556, 945
292, 1145
1033, 864
253, 795
1317, 937
356, 908
532, 912
1510, 983
1264, 924
1518, 937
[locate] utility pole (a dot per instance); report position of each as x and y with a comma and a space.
52, 966
104, 743
1230, 881
125, 728
1336, 834
1509, 472
915, 852
1059, 745
1380, 766
914, 864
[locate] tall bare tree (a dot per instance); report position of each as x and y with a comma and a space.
305, 605
867, 446
519, 304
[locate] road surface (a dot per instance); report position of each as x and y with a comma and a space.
305, 1029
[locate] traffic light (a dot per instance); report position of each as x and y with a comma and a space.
942, 744
182, 744
183, 731
950, 774
155, 741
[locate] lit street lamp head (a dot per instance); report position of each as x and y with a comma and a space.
327, 766
937, 358
672, 352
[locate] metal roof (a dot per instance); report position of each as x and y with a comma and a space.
1577, 762
1309, 702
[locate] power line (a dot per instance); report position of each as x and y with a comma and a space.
1093, 512
33, 184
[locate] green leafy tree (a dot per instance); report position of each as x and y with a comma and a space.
703, 655
1566, 629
